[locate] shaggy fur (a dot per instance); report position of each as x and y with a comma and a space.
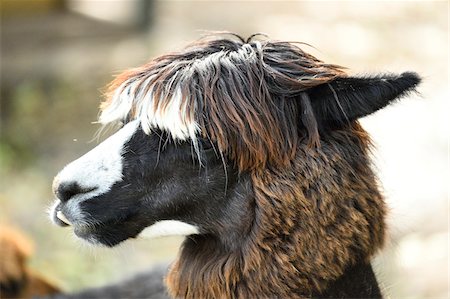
301, 214
310, 223
287, 120
240, 95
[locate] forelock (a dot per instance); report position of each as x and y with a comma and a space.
238, 94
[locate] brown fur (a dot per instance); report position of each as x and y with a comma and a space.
252, 122
315, 207
312, 220
16, 279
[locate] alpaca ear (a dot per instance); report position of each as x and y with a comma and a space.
345, 99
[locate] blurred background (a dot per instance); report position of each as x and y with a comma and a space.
56, 55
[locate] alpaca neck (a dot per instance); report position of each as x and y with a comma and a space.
299, 230
204, 270
358, 281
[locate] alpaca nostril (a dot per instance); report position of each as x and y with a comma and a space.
66, 191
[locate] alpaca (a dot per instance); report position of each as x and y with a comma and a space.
16, 279
251, 149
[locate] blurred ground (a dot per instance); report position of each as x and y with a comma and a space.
54, 62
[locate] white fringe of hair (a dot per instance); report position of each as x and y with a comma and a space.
175, 117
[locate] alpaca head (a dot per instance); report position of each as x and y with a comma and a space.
134, 180
209, 131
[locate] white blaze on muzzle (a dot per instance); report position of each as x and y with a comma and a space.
100, 168
97, 171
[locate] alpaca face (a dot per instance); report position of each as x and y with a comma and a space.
134, 181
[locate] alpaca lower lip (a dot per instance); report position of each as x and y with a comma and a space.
101, 234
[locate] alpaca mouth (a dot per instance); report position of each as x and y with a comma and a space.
58, 217
82, 230
63, 218
65, 215
96, 230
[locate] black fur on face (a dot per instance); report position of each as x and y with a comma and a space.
164, 180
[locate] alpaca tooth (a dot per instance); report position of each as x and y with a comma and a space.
62, 217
